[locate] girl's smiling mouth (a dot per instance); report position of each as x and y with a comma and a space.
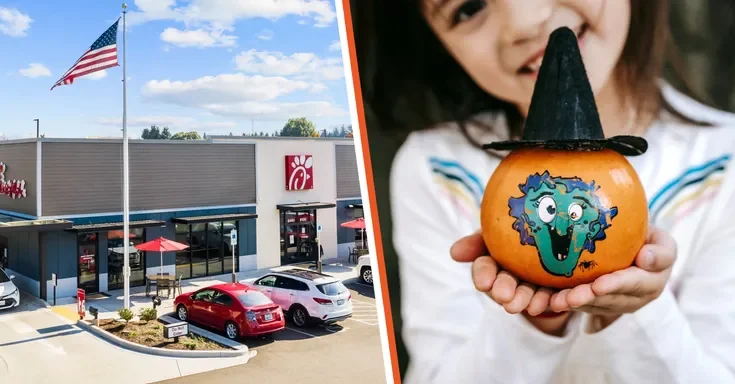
533, 64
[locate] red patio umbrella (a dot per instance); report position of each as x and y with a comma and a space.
161, 245
358, 223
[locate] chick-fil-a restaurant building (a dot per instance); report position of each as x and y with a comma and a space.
61, 207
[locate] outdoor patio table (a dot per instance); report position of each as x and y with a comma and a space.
156, 278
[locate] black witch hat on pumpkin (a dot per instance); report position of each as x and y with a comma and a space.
563, 113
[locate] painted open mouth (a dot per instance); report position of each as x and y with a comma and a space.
560, 243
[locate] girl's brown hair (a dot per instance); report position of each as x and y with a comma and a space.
411, 82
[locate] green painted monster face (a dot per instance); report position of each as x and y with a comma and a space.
561, 217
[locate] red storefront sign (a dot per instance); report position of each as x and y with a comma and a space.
299, 172
16, 189
302, 217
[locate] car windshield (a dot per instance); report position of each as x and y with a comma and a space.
4, 277
332, 289
253, 299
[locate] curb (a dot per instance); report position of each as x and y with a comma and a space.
160, 351
168, 319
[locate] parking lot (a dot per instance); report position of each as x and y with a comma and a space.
347, 352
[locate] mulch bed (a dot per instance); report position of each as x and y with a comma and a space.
150, 334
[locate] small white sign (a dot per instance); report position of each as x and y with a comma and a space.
233, 237
54, 280
319, 228
175, 330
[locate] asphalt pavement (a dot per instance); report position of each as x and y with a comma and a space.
349, 352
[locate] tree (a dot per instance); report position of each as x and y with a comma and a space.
192, 135
315, 133
300, 126
155, 133
349, 135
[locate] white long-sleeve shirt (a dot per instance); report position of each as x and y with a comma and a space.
455, 334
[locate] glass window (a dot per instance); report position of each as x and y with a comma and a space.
215, 239
198, 246
268, 281
223, 299
332, 289
115, 259
253, 299
228, 226
4, 277
204, 295
183, 258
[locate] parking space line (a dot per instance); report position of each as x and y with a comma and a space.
364, 322
301, 332
362, 302
328, 329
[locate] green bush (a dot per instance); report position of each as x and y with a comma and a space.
148, 314
125, 314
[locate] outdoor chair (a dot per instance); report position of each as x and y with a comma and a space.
178, 285
161, 285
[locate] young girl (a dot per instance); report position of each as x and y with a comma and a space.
668, 319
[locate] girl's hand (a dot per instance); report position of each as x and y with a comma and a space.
515, 296
627, 290
609, 296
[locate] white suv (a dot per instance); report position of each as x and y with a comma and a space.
364, 269
307, 297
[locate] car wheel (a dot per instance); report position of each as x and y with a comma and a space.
299, 316
367, 275
231, 330
182, 313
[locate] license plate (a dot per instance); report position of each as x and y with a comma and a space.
268, 317
340, 302
2, 303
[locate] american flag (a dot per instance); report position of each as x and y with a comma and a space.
101, 55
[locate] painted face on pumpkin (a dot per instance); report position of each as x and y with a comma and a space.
561, 217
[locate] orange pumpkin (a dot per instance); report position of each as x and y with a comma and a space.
565, 206
558, 218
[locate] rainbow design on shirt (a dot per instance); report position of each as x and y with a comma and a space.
460, 185
683, 195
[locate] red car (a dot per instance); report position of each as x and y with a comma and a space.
236, 309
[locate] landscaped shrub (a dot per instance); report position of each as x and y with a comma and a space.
148, 314
125, 314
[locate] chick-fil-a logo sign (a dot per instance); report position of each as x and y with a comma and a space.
299, 172
13, 188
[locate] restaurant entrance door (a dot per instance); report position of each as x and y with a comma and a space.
298, 237
87, 262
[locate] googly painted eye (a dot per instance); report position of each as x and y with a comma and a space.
575, 212
547, 209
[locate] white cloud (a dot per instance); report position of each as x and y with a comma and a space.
201, 38
239, 95
222, 88
300, 65
318, 88
14, 23
175, 123
265, 34
224, 13
99, 75
278, 110
335, 46
35, 70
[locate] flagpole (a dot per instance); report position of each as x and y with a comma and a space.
126, 187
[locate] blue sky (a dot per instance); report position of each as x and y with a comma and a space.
214, 66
